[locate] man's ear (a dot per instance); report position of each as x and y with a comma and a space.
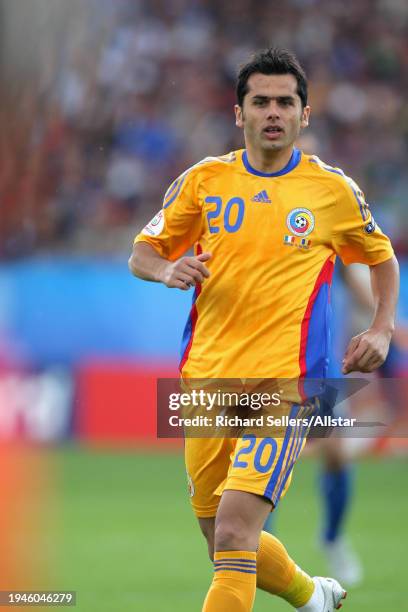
239, 120
304, 122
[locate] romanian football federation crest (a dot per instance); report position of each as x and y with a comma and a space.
300, 221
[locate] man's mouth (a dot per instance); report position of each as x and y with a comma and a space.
272, 131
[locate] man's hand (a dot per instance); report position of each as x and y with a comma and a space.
185, 272
367, 351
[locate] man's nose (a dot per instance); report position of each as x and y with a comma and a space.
273, 110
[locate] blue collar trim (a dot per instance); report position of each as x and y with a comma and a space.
292, 163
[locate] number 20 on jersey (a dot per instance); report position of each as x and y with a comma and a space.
231, 219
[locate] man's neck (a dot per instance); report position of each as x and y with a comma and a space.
269, 162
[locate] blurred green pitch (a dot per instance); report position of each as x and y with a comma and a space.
127, 539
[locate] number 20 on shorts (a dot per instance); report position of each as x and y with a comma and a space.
232, 217
264, 456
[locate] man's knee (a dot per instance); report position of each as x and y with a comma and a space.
334, 458
240, 518
231, 533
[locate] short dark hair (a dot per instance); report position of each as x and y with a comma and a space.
272, 61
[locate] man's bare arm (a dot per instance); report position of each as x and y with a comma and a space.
367, 351
146, 263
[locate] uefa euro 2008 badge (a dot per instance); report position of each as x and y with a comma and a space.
300, 221
155, 226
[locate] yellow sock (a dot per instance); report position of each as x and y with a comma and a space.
234, 583
279, 574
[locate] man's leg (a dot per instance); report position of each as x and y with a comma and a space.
277, 573
246, 557
337, 488
260, 475
275, 569
238, 524
261, 470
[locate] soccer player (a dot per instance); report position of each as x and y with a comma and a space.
337, 478
266, 223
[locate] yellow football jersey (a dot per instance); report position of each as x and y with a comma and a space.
264, 311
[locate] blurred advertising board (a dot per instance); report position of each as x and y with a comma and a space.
35, 406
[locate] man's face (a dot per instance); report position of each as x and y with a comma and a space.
272, 114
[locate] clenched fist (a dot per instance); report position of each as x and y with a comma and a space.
186, 272
367, 351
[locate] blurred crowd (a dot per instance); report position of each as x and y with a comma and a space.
118, 97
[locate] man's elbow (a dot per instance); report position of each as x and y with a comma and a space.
393, 261
132, 264
390, 264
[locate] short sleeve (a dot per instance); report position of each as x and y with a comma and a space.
178, 225
356, 237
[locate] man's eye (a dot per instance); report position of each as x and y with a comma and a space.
260, 102
288, 102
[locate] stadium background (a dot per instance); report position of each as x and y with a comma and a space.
103, 104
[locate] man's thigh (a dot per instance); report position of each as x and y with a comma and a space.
264, 465
207, 463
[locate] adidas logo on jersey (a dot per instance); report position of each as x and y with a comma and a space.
261, 197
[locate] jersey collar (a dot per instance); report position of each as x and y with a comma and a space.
292, 163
